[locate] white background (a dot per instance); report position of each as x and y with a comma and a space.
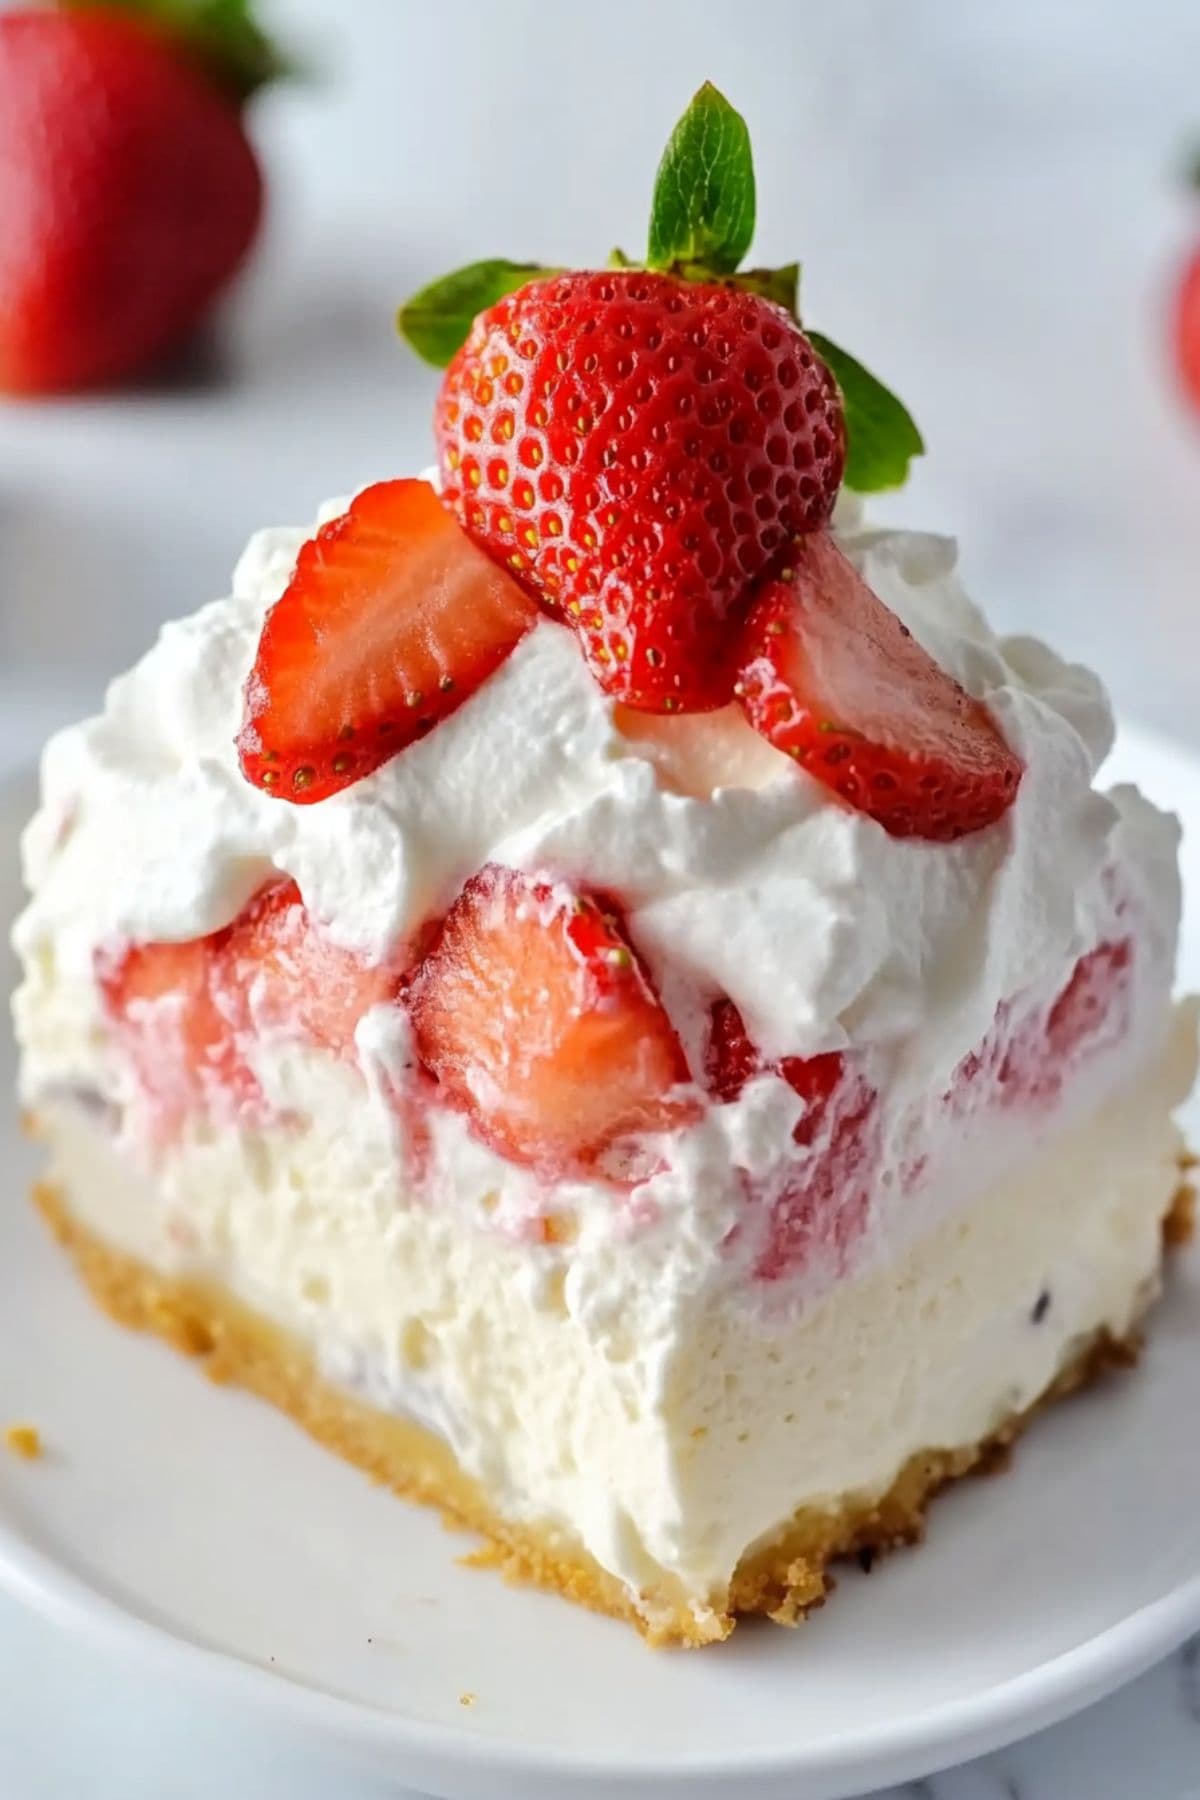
984, 194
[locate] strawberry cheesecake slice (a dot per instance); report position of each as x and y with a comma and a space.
596, 981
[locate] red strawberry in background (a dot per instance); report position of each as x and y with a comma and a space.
1187, 329
129, 191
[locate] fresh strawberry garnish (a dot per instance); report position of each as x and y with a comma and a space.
819, 1203
637, 449
129, 191
832, 677
186, 1014
639, 444
391, 619
538, 1021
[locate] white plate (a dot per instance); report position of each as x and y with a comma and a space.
192, 1524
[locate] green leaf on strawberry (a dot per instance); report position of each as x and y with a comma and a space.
436, 321
881, 437
780, 285
701, 226
222, 35
703, 209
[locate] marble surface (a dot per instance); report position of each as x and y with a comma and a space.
984, 201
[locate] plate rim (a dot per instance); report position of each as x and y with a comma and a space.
935, 1738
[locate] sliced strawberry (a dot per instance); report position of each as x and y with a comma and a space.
821, 1203
391, 619
187, 1013
698, 753
831, 676
161, 1000
824, 1207
816, 1080
730, 1059
281, 971
1090, 1015
1095, 1002
1029, 1057
539, 1023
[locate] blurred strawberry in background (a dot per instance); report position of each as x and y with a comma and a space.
1187, 314
1187, 329
129, 191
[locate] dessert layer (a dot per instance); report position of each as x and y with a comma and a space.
784, 1578
739, 876
670, 1431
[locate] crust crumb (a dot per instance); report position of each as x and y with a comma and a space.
24, 1440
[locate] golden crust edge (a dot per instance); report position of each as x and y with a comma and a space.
785, 1580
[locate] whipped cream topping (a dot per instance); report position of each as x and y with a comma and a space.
739, 875
823, 929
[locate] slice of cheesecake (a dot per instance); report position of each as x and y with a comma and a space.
591, 1124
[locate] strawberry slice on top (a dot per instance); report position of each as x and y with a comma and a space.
391, 619
538, 1022
830, 676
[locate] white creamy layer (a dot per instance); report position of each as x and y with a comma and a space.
595, 1394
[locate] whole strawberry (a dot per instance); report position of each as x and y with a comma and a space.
129, 192
638, 449
641, 445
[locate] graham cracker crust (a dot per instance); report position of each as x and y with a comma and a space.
784, 1580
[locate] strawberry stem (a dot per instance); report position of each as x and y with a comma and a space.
222, 36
